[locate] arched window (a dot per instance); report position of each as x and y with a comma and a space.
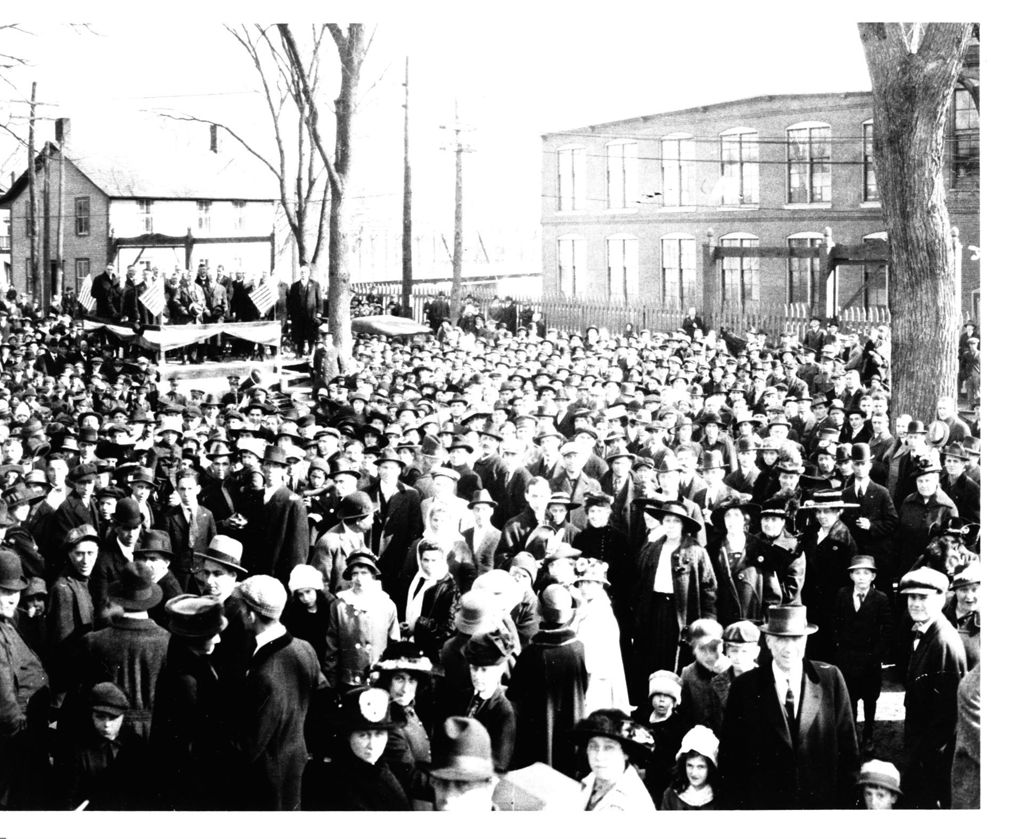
572, 177
679, 270
803, 267
572, 265
809, 147
623, 268
678, 170
739, 166
741, 274
966, 151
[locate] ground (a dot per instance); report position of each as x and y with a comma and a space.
888, 738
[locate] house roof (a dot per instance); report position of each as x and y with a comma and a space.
752, 100
180, 172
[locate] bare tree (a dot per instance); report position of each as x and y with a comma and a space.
302, 189
914, 69
351, 51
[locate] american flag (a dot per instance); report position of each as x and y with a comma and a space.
153, 298
263, 298
85, 298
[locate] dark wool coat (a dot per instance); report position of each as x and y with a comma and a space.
71, 514
497, 715
762, 769
407, 753
933, 676
668, 734
311, 627
765, 574
350, 784
917, 517
279, 537
877, 507
863, 636
514, 537
699, 704
283, 676
436, 623
130, 653
189, 734
547, 689
827, 564
693, 581
396, 524
482, 551
109, 565
965, 493
109, 775
173, 521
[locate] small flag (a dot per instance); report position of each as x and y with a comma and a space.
263, 298
153, 298
85, 298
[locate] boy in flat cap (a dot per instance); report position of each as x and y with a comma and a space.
936, 666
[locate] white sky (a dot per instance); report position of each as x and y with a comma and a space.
527, 70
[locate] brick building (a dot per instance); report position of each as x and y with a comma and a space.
632, 209
136, 208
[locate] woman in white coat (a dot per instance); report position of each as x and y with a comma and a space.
614, 744
598, 629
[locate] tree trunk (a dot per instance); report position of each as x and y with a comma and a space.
912, 93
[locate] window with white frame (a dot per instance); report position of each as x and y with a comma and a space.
203, 215
870, 185
679, 270
740, 171
623, 268
678, 171
803, 270
572, 183
239, 210
572, 279
146, 214
82, 269
741, 274
966, 150
623, 176
809, 148
876, 276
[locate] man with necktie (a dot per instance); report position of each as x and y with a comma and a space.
873, 522
788, 740
304, 304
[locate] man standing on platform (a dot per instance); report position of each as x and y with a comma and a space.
303, 308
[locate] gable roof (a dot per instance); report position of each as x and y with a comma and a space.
182, 172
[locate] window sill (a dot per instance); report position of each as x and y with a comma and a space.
819, 205
871, 205
737, 208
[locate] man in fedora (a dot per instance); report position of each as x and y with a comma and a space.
282, 679
571, 479
398, 519
131, 651
154, 554
482, 538
462, 773
218, 576
788, 740
873, 522
937, 663
923, 513
80, 506
279, 539
960, 487
621, 484
332, 550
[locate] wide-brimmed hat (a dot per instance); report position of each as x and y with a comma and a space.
500, 585
154, 542
276, 455
142, 475
563, 499
966, 531
925, 466
712, 460
969, 575
462, 751
487, 649
195, 616
674, 508
880, 773
827, 500
12, 577
225, 551
482, 496
360, 559
361, 709
389, 455
592, 571
636, 739
403, 657
23, 494
789, 621
733, 503
134, 591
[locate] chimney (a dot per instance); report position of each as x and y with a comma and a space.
213, 138
62, 130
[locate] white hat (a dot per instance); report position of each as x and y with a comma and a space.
665, 682
880, 773
702, 740
264, 595
305, 576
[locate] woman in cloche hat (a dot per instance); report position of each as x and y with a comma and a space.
598, 629
614, 744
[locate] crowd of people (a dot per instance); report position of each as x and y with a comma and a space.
669, 566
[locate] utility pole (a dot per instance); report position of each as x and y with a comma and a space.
44, 289
407, 212
31, 281
62, 138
